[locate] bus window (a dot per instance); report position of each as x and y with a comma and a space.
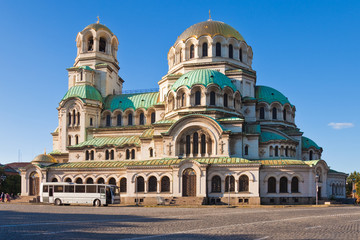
59, 188
101, 189
45, 189
91, 189
80, 189
69, 188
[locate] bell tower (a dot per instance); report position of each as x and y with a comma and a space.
96, 62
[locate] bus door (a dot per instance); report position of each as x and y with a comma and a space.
102, 192
51, 194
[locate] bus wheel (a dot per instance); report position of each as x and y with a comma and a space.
97, 203
57, 202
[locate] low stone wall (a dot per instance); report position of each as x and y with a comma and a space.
287, 200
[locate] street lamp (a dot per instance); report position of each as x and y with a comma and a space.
229, 175
353, 187
317, 188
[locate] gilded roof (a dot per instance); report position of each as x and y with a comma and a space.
210, 28
108, 141
204, 77
269, 95
83, 92
44, 158
133, 101
98, 26
306, 143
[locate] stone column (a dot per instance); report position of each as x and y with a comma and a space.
158, 187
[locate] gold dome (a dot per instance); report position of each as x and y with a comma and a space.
98, 26
210, 28
44, 158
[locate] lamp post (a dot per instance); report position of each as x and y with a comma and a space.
317, 188
229, 175
353, 187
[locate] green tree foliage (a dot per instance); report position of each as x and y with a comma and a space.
355, 175
12, 183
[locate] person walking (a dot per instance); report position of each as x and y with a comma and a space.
2, 197
8, 197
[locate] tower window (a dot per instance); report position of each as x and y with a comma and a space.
274, 113
118, 119
151, 152
142, 119
92, 155
225, 100
74, 117
76, 139
127, 154
205, 50
246, 150
231, 53
130, 119
91, 121
69, 140
284, 114
107, 155
108, 120
78, 118
262, 113
197, 98
240, 55
102, 45
153, 117
90, 44
133, 154
311, 155
218, 49
112, 154
69, 116
212, 98
192, 50
81, 76
87, 155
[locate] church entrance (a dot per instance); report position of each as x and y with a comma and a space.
189, 183
34, 184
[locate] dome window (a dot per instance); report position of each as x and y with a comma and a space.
130, 119
274, 113
142, 119
212, 98
127, 154
240, 55
284, 114
225, 100
262, 113
205, 50
311, 155
90, 44
118, 119
231, 51
133, 154
218, 49
108, 120
276, 151
192, 50
197, 98
153, 117
102, 45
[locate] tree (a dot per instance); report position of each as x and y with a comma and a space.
355, 175
12, 183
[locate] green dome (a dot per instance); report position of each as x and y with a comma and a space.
270, 95
83, 92
204, 77
306, 143
98, 26
133, 101
210, 28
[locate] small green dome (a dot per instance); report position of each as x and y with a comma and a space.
204, 77
210, 28
307, 143
270, 95
98, 26
83, 92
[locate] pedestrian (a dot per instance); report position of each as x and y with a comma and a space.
7, 197
2, 196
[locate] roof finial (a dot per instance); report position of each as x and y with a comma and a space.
209, 16
98, 21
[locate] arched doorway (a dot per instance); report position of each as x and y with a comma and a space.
34, 183
189, 182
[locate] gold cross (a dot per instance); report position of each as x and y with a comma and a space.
98, 19
209, 15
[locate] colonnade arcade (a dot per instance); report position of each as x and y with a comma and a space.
195, 143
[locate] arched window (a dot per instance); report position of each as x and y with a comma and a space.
127, 154
246, 150
232, 183
101, 181
287, 151
123, 185
90, 44
284, 114
142, 119
68, 180
112, 154
76, 139
311, 155
295, 185
89, 181
165, 184
188, 145
218, 49
274, 113
140, 184
205, 50
276, 151
69, 117
180, 55
151, 152
112, 181
133, 154
225, 100
283, 185
118, 120
91, 121
69, 140
102, 45
197, 98
212, 98
92, 155
107, 155
79, 181
130, 119
262, 113
108, 120
153, 117
74, 117
243, 183
152, 184
203, 144
216, 184
54, 180
78, 118
240, 55
192, 50
271, 185
81, 76
195, 143
231, 54
183, 100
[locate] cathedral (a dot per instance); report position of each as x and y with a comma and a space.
208, 135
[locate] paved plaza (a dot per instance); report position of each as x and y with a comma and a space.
27, 221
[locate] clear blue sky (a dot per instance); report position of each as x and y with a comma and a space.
308, 50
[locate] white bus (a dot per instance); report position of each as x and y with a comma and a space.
67, 193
